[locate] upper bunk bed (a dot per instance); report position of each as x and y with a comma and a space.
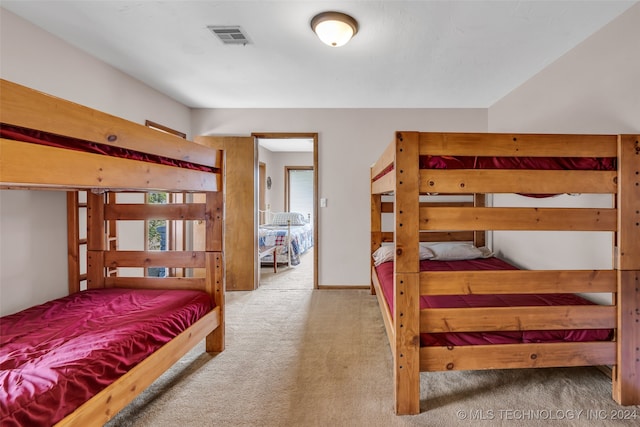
50, 143
445, 311
75, 147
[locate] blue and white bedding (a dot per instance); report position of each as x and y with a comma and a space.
275, 235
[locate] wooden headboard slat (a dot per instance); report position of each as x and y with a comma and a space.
518, 145
36, 165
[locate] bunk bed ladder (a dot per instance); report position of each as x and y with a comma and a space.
77, 247
111, 234
76, 209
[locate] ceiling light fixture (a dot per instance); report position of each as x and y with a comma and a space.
334, 28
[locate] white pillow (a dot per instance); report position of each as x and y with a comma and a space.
457, 251
425, 252
282, 218
385, 253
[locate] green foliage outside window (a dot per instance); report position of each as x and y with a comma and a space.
156, 228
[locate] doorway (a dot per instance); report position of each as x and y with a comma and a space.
278, 193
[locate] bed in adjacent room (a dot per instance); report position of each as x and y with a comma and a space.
290, 233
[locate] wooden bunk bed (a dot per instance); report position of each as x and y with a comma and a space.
416, 165
146, 160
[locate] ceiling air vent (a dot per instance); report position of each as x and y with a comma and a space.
230, 34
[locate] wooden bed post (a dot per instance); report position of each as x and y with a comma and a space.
407, 279
214, 211
96, 240
214, 280
215, 272
626, 373
376, 228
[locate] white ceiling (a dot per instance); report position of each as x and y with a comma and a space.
407, 54
303, 145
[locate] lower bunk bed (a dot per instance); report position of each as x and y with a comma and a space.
79, 359
58, 355
449, 304
384, 287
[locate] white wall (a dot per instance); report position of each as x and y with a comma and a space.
595, 88
34, 223
32, 57
33, 248
349, 141
275, 169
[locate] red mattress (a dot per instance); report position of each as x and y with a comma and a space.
385, 276
539, 163
55, 356
533, 163
18, 133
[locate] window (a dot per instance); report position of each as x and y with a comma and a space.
163, 235
299, 190
157, 126
156, 231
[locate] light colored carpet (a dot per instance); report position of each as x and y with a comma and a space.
295, 277
321, 358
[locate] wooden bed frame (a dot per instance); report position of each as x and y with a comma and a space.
31, 166
417, 221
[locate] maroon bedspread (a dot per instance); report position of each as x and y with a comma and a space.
55, 356
18, 133
532, 163
385, 276
539, 163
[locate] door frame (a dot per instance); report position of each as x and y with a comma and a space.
262, 173
314, 137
